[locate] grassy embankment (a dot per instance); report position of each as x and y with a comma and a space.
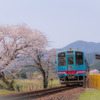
27, 85
90, 95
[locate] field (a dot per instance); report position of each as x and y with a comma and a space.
90, 95
28, 85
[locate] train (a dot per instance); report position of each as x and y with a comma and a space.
72, 67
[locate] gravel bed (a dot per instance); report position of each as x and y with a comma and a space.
71, 94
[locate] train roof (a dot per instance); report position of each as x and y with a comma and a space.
70, 50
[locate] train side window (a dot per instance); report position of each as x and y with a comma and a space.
70, 60
79, 58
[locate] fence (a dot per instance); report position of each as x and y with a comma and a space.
94, 81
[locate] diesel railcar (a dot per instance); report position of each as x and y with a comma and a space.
72, 67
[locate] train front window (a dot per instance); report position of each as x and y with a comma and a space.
70, 60
79, 58
61, 59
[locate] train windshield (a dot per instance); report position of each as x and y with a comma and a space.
79, 58
61, 59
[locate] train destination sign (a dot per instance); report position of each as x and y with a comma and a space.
97, 56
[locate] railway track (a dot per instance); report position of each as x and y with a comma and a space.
34, 94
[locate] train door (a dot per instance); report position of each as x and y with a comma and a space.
70, 64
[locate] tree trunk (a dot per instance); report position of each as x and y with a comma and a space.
45, 78
9, 84
45, 81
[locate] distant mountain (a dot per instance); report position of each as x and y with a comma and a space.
87, 47
91, 58
96, 66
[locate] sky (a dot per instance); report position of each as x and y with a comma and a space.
62, 21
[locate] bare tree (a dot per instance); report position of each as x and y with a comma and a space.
14, 40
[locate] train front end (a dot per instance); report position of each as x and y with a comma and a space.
71, 67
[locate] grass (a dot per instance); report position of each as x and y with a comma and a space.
2, 91
90, 95
35, 84
27, 85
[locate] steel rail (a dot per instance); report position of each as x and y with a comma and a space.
34, 94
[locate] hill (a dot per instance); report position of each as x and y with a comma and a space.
87, 47
95, 66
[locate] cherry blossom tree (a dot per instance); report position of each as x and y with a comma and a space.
42, 60
95, 71
16, 39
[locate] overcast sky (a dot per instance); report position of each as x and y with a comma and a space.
63, 21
